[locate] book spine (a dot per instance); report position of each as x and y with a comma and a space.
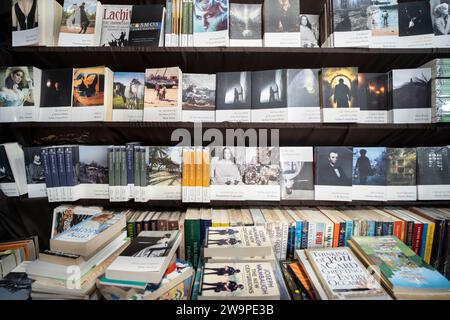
70, 181
298, 235
184, 22
117, 175
198, 174
184, 175
124, 174
335, 238
143, 173
54, 172
390, 228
429, 242
130, 168
305, 234
47, 173
130, 230
190, 31
206, 175
137, 167
410, 234
378, 228
62, 172
417, 234
329, 234
168, 22
291, 242
423, 241
342, 235
191, 175
111, 173
397, 229
348, 231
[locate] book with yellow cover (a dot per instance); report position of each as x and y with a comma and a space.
198, 174
185, 175
205, 175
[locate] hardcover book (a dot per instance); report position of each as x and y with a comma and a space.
128, 96
237, 242
405, 274
339, 88
198, 97
281, 23
269, 98
19, 94
56, 95
115, 22
147, 25
162, 94
401, 175
245, 25
433, 173
303, 95
234, 93
411, 96
211, 23
146, 258
297, 173
373, 98
370, 167
333, 173
238, 281
80, 25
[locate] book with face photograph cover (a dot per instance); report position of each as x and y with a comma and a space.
281, 23
211, 23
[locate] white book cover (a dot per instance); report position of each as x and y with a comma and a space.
245, 25
80, 24
410, 95
370, 167
303, 95
238, 281
333, 173
233, 96
269, 98
211, 24
351, 24
401, 176
261, 173
382, 19
373, 97
25, 22
19, 94
128, 96
115, 25
8, 179
162, 100
237, 242
339, 94
297, 180
226, 173
433, 175
56, 95
198, 97
281, 23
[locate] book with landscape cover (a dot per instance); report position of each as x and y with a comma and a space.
147, 25
245, 25
198, 97
147, 257
162, 100
128, 96
401, 175
238, 281
297, 180
237, 242
303, 95
382, 19
115, 22
20, 92
234, 93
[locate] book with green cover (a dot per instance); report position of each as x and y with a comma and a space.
192, 236
405, 273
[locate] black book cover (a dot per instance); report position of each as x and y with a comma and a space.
433, 164
372, 91
269, 89
333, 166
233, 90
146, 25
56, 88
151, 244
6, 174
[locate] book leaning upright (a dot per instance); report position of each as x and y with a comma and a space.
281, 23
211, 24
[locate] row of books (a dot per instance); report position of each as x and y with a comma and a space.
202, 174
384, 24
281, 95
230, 250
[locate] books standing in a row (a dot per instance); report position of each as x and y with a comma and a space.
195, 175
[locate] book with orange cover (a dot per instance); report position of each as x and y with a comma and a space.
302, 278
198, 174
191, 171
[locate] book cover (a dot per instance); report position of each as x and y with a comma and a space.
34, 168
370, 167
7, 180
237, 242
297, 180
282, 23
350, 25
401, 175
56, 95
79, 24
233, 101
128, 96
210, 25
254, 281
339, 87
382, 18
372, 98
309, 30
269, 98
199, 97
162, 94
245, 25
65, 217
433, 173
303, 95
333, 173
261, 173
93, 173
25, 22
19, 93
147, 25
115, 25
415, 25
411, 95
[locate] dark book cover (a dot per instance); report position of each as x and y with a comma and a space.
245, 21
269, 89
146, 25
433, 165
372, 91
339, 87
34, 165
56, 88
46, 165
281, 16
402, 166
54, 166
233, 90
295, 291
414, 18
333, 166
370, 166
61, 166
6, 174
411, 88
151, 244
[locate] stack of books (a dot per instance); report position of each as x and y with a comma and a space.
13, 253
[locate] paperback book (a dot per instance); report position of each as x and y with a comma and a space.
297, 173
309, 30
13, 181
415, 25
233, 101
128, 96
211, 23
245, 25
34, 168
401, 174
303, 95
147, 25
383, 22
373, 98
281, 23
115, 23
433, 173
198, 97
